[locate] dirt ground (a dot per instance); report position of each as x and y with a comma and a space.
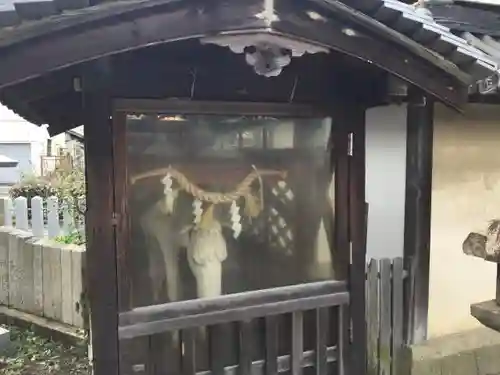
30, 354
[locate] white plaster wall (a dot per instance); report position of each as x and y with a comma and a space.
15, 130
385, 180
466, 195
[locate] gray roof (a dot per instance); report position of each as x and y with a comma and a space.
415, 23
420, 25
13, 12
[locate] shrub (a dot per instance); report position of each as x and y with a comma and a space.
75, 238
67, 184
31, 186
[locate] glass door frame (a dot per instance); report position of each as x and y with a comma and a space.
124, 107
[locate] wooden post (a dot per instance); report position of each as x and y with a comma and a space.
101, 251
355, 120
420, 116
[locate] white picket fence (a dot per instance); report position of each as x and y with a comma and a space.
48, 219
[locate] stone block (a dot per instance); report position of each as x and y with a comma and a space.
473, 352
460, 364
426, 367
488, 359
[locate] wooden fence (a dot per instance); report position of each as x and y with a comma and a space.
384, 316
41, 277
42, 217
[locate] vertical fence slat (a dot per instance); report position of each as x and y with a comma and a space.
297, 342
68, 225
7, 212
245, 346
77, 274
385, 317
343, 339
37, 224
38, 278
53, 217
52, 283
217, 350
26, 246
271, 324
14, 272
188, 362
372, 311
397, 315
21, 212
322, 330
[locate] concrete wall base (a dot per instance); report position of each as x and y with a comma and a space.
474, 352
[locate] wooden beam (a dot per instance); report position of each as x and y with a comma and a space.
101, 256
420, 121
119, 29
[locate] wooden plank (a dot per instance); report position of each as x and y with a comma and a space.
297, 342
52, 283
14, 267
322, 330
67, 291
246, 347
164, 355
372, 317
344, 361
134, 357
385, 317
397, 316
151, 325
4, 266
27, 280
271, 359
77, 275
188, 363
38, 278
271, 297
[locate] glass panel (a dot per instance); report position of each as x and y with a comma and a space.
227, 204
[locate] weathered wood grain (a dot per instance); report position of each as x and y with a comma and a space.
67, 286
38, 277
4, 266
52, 282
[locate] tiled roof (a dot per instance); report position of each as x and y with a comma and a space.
421, 24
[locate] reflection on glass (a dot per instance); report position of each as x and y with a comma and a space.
227, 204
